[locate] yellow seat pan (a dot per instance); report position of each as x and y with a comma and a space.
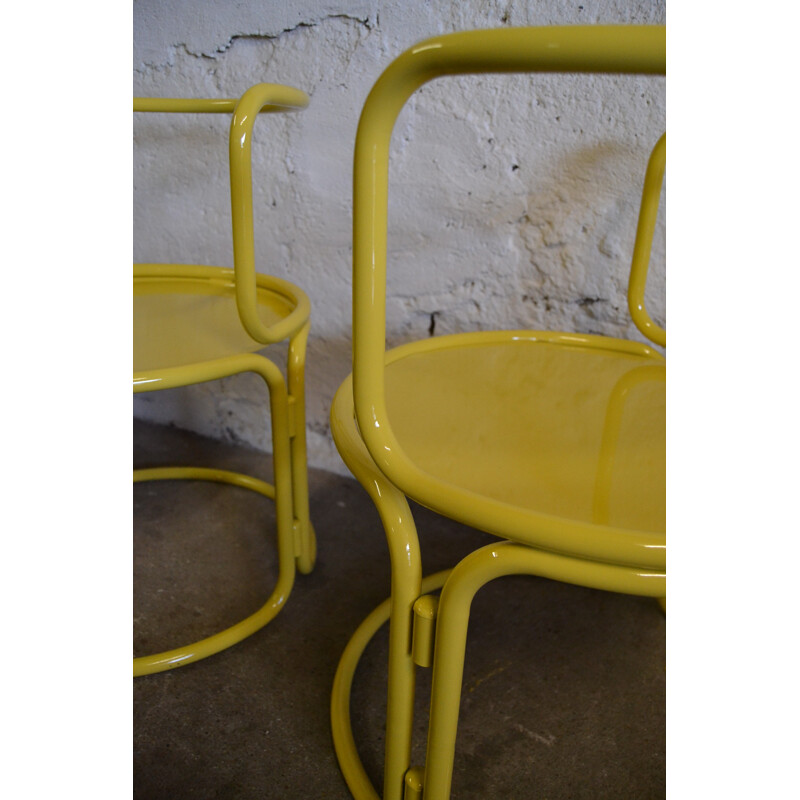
185, 314
562, 427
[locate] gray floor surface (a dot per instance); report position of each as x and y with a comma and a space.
564, 687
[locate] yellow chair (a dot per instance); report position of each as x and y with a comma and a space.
552, 441
199, 323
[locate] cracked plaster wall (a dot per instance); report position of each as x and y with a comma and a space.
513, 198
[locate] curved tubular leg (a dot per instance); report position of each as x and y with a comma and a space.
401, 534
281, 493
346, 751
406, 566
477, 569
307, 544
341, 726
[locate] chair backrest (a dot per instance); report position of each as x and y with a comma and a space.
573, 49
261, 98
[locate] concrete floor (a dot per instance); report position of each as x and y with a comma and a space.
564, 687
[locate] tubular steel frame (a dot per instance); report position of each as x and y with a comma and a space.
248, 289
589, 553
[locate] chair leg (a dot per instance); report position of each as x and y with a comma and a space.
281, 492
307, 544
346, 752
406, 587
450, 644
282, 462
341, 726
186, 654
473, 572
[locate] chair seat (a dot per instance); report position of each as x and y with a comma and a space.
185, 314
563, 428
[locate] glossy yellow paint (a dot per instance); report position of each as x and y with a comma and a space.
552, 441
199, 323
186, 654
189, 314
644, 241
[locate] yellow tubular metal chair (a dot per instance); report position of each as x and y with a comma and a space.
199, 323
552, 441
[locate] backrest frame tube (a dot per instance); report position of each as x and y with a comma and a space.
259, 99
640, 261
569, 49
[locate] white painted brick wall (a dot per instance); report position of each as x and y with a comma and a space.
513, 198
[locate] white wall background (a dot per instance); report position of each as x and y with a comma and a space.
513, 199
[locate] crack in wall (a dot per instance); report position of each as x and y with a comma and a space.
366, 22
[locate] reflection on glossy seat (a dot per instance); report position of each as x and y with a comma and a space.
552, 441
198, 323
